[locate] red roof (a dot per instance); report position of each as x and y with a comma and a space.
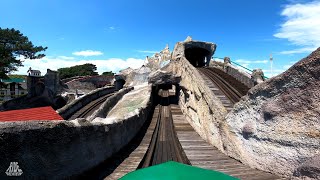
41, 113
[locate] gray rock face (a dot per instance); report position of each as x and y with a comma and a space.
163, 77
202, 109
204, 50
137, 76
309, 169
257, 76
276, 127
159, 60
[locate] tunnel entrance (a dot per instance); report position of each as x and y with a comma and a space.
198, 57
174, 93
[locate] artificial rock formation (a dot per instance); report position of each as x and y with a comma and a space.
158, 60
198, 53
202, 109
163, 77
138, 76
276, 127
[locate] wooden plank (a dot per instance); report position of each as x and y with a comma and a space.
202, 154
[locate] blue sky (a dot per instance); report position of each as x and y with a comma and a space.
115, 34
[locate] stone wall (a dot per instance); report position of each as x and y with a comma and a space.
240, 75
72, 78
60, 149
89, 82
77, 104
203, 110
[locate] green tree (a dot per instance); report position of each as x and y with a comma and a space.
13, 45
78, 70
108, 73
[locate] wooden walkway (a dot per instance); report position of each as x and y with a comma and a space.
204, 155
217, 92
128, 158
132, 162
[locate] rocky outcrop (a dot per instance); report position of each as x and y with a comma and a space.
110, 102
276, 127
158, 60
163, 77
198, 53
137, 76
202, 109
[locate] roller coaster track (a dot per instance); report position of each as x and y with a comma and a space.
89, 108
165, 145
167, 136
226, 87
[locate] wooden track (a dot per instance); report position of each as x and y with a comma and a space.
202, 154
88, 109
170, 137
217, 92
128, 158
164, 145
228, 89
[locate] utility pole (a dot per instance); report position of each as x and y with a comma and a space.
271, 63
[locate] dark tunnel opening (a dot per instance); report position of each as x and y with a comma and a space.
198, 57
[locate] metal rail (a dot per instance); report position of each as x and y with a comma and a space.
165, 145
224, 86
89, 108
230, 87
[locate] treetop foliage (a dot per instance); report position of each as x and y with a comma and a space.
78, 70
108, 73
14, 44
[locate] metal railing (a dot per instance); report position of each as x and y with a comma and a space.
232, 62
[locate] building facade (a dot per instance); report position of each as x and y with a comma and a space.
12, 88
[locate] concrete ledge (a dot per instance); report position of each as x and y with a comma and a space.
77, 104
240, 75
235, 72
104, 109
60, 149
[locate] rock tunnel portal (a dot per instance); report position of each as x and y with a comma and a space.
197, 56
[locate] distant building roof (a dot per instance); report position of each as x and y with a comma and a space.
16, 80
41, 113
35, 71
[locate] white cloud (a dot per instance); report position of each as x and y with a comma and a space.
66, 57
302, 26
299, 50
87, 53
146, 51
275, 72
54, 63
112, 28
244, 61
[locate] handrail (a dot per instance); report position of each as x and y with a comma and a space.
241, 66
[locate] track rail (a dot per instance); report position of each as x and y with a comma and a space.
164, 145
90, 108
230, 87
156, 142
